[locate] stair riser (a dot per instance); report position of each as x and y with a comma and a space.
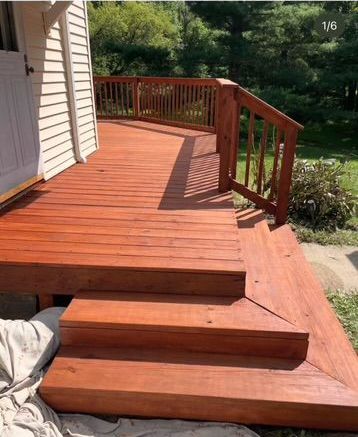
226, 344
342, 418
69, 280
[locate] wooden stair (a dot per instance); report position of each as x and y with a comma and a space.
180, 322
174, 384
269, 357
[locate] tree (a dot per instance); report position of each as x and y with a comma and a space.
233, 19
131, 38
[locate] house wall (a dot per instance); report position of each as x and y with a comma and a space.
81, 58
51, 88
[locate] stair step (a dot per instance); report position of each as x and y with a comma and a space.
184, 322
171, 384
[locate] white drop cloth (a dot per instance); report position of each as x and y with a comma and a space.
25, 349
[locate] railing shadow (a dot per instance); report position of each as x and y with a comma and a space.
195, 176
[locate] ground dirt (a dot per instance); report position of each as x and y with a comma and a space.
335, 266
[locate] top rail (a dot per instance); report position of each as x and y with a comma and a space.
266, 111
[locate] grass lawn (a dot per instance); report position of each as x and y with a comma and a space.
346, 307
337, 142
332, 141
329, 141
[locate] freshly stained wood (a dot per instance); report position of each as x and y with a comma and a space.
205, 386
193, 323
183, 332
286, 285
147, 200
146, 311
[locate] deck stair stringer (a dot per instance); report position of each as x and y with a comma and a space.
287, 286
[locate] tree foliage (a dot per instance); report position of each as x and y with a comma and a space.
270, 47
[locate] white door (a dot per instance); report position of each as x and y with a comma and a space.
20, 159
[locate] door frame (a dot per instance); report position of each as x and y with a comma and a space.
21, 45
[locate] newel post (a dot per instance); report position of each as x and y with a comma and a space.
136, 104
284, 185
225, 129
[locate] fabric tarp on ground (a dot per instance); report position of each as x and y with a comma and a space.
26, 347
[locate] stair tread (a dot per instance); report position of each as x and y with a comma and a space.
110, 372
175, 313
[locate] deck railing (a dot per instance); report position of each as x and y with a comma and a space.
262, 172
256, 142
174, 101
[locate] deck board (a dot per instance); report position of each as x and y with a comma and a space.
144, 215
146, 200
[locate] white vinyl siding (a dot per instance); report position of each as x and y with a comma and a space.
78, 27
50, 85
46, 54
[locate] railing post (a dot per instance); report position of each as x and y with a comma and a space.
284, 185
136, 102
225, 129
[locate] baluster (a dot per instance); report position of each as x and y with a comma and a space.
177, 101
167, 87
150, 108
144, 99
106, 97
212, 105
173, 100
170, 109
284, 184
136, 97
201, 115
122, 100
182, 102
195, 106
250, 140
206, 106
100, 98
165, 102
111, 96
116, 96
127, 99
236, 141
156, 100
161, 101
273, 190
260, 178
190, 102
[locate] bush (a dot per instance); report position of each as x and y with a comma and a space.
318, 199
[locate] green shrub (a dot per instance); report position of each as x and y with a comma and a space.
318, 199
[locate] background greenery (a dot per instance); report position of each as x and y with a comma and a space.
271, 48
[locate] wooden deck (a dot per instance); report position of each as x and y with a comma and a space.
183, 307
146, 203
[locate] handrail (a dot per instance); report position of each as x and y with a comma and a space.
264, 110
214, 105
267, 187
